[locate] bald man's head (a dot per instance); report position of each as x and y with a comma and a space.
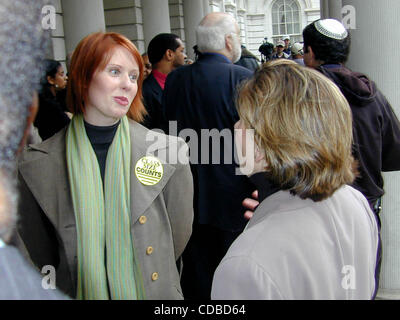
219, 32
216, 18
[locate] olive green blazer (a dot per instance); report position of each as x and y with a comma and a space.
161, 214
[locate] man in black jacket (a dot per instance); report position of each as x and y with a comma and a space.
376, 129
166, 52
248, 60
200, 98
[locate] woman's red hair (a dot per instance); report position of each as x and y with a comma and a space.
93, 53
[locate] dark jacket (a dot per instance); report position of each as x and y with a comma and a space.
201, 96
248, 60
51, 116
152, 98
376, 129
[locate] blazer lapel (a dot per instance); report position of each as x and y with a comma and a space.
142, 196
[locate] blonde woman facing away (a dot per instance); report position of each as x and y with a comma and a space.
315, 237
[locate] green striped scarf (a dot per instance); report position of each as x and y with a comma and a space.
107, 265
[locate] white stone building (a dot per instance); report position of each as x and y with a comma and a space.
140, 20
275, 18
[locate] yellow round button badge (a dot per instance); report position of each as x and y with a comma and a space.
149, 170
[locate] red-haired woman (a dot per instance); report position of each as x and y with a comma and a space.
99, 201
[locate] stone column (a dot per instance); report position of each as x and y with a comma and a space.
331, 9
373, 26
57, 36
177, 19
215, 6
230, 7
125, 17
155, 19
206, 7
80, 19
193, 12
241, 19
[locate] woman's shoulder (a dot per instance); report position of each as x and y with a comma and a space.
53, 145
170, 149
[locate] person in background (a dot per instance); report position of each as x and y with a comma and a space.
248, 60
280, 54
98, 201
297, 53
286, 40
267, 50
313, 228
147, 65
166, 53
51, 116
200, 97
23, 47
376, 127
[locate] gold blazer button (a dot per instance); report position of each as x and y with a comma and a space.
142, 219
149, 250
154, 276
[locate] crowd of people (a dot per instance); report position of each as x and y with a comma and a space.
120, 217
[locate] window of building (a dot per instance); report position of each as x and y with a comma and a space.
286, 20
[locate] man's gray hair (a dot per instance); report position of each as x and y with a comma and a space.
210, 33
23, 47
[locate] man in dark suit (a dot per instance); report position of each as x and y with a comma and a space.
200, 97
166, 52
20, 22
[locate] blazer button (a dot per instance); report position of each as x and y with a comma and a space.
149, 250
142, 219
154, 276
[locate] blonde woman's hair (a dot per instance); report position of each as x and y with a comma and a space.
303, 126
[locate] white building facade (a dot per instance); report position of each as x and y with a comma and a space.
141, 20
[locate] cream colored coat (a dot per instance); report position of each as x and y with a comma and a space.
300, 249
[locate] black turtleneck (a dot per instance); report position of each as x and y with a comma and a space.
264, 186
101, 139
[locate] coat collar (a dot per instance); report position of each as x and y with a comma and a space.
214, 57
279, 201
154, 86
